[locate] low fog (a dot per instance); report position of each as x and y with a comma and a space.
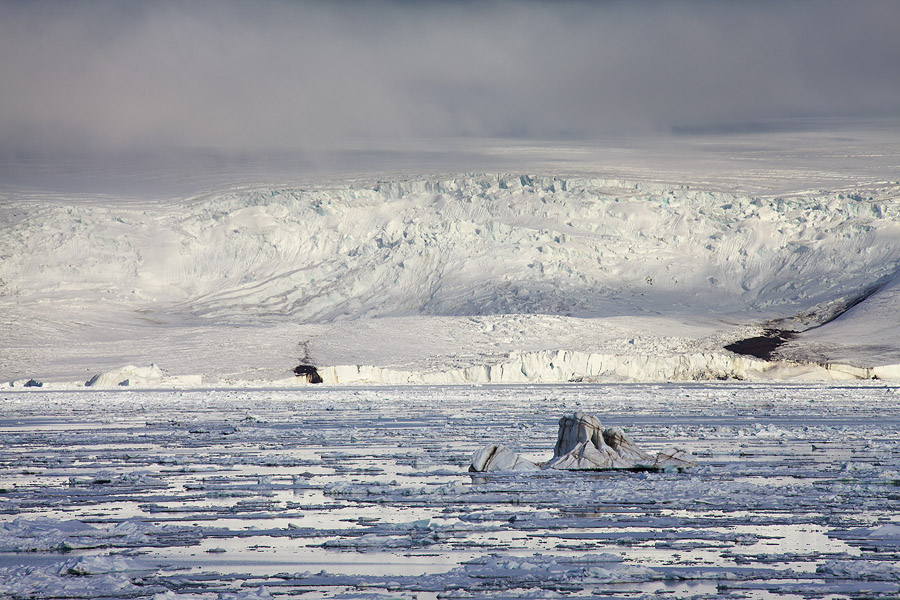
246, 76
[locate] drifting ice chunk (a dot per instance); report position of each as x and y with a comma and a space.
675, 459
499, 458
582, 444
577, 430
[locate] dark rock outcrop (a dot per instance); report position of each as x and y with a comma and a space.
308, 371
762, 346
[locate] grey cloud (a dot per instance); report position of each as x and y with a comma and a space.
319, 74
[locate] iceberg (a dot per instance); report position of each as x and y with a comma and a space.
125, 376
584, 445
499, 458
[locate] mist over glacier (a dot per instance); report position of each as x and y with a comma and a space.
133, 76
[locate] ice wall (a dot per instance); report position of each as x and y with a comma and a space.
562, 366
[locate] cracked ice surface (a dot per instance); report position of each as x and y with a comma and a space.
364, 493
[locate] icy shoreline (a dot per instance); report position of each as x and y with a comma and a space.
552, 367
567, 366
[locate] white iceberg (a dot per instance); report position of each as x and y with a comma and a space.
499, 458
583, 445
127, 375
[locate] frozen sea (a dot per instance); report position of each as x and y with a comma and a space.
363, 492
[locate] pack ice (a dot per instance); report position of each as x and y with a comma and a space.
584, 445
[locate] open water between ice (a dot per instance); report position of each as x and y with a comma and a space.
364, 493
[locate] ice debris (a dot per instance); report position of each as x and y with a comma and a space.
583, 445
261, 593
80, 577
860, 569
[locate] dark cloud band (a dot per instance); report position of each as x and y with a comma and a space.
306, 75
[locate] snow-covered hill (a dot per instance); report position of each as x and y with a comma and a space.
339, 260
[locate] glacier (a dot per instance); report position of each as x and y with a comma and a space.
466, 278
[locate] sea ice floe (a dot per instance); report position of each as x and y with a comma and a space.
886, 531
43, 534
260, 593
526, 570
80, 577
582, 444
860, 569
84, 566
285, 492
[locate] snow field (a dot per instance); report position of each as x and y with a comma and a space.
363, 493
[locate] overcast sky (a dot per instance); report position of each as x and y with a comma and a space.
262, 75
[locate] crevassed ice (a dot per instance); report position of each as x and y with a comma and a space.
459, 246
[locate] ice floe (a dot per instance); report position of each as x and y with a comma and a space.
80, 577
362, 492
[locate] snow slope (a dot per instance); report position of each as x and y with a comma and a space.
430, 275
863, 336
